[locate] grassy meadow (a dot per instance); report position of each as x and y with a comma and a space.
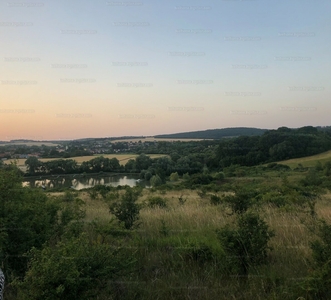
180, 257
309, 161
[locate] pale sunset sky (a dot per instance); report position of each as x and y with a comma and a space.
74, 69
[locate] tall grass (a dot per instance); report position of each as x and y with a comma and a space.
180, 257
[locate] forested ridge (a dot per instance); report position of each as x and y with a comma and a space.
214, 133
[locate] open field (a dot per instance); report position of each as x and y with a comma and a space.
308, 161
177, 248
166, 237
123, 159
152, 139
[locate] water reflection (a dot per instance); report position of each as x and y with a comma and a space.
82, 182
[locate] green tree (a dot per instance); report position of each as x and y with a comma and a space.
143, 162
27, 219
33, 164
148, 175
155, 180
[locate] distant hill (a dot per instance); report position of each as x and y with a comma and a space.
215, 133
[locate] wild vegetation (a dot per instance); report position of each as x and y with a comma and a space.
232, 232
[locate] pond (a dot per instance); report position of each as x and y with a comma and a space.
80, 181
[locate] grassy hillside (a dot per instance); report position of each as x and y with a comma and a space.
308, 161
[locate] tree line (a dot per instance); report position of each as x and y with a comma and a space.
194, 157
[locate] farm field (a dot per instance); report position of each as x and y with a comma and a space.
123, 159
308, 161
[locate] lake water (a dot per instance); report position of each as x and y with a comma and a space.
79, 182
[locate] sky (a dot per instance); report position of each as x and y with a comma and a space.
74, 69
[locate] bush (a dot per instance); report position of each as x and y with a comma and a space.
181, 200
219, 176
92, 193
127, 210
241, 201
186, 176
200, 253
174, 176
246, 245
312, 179
164, 229
156, 202
319, 284
200, 179
215, 200
27, 219
277, 199
73, 269
155, 180
327, 168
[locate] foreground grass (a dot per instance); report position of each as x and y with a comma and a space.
179, 256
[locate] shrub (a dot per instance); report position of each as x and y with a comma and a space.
181, 200
318, 285
73, 269
202, 193
200, 179
186, 176
92, 193
215, 200
246, 245
127, 210
27, 219
327, 168
241, 201
277, 199
164, 229
156, 201
312, 178
200, 253
219, 176
174, 176
156, 180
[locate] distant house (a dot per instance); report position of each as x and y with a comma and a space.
34, 154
